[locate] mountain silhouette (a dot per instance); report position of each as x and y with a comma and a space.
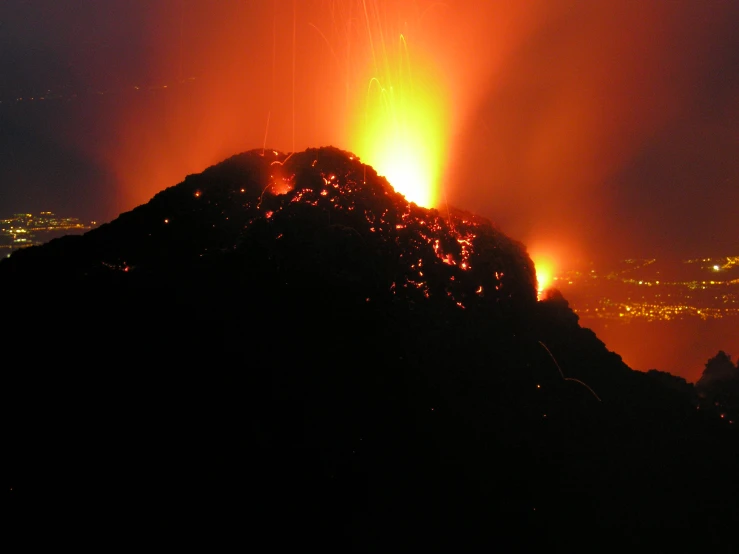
284, 343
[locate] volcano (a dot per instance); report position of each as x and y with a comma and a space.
285, 345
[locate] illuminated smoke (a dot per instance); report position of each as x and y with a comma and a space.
530, 113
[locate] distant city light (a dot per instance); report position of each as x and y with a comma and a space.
23, 229
608, 295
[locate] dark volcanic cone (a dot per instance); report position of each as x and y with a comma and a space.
288, 335
316, 220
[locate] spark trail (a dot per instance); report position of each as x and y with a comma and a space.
568, 378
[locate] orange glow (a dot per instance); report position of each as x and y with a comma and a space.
520, 122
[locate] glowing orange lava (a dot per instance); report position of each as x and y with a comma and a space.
543, 278
400, 127
544, 272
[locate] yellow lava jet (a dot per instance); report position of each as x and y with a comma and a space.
400, 129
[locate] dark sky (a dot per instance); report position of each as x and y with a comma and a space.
583, 128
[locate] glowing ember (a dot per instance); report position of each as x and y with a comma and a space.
436, 249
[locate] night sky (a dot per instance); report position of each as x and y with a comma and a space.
587, 129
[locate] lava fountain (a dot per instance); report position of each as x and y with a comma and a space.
398, 108
400, 129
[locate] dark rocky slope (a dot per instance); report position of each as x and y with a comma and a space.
284, 345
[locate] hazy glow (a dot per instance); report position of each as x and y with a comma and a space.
533, 114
